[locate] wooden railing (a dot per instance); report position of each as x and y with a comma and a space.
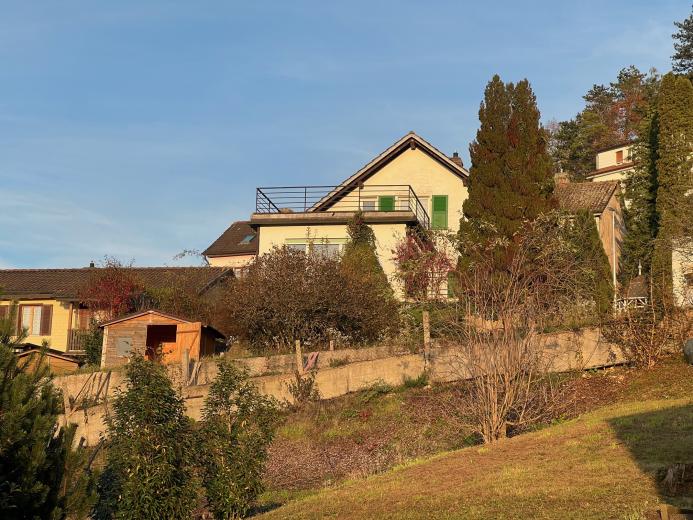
77, 339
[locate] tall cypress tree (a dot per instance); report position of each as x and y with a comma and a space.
674, 166
510, 177
641, 191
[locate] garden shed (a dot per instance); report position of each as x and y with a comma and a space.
158, 337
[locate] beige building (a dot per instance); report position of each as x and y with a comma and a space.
613, 163
410, 184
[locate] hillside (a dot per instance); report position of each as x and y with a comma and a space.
607, 463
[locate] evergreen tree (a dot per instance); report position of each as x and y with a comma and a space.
593, 261
683, 57
640, 214
511, 180
40, 475
239, 424
674, 166
149, 471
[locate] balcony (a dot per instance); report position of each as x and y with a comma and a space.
310, 204
76, 340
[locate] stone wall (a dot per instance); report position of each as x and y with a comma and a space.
87, 395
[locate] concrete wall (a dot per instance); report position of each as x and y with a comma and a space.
564, 351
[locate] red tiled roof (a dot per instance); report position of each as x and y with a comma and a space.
591, 196
67, 283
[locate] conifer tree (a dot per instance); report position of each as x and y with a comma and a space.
593, 261
640, 214
150, 468
40, 474
683, 57
510, 178
674, 178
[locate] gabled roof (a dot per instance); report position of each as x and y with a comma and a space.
66, 284
232, 241
590, 196
409, 141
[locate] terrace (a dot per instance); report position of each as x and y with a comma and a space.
336, 204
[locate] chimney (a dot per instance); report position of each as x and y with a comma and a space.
561, 178
457, 159
91, 264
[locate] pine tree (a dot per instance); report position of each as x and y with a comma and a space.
674, 178
40, 475
593, 261
150, 467
511, 180
683, 57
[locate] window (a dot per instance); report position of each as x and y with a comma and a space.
328, 250
36, 319
123, 346
297, 247
619, 157
386, 203
368, 204
247, 239
439, 217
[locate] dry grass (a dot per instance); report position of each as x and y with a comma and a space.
605, 464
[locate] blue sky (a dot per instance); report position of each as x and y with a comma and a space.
139, 129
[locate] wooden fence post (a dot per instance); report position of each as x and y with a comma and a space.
185, 366
427, 337
331, 344
299, 357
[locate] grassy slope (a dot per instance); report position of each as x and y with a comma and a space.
600, 465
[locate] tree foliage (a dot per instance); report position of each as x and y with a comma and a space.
41, 476
613, 114
150, 465
510, 178
287, 295
593, 262
238, 426
683, 45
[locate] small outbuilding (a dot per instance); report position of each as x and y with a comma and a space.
58, 362
158, 337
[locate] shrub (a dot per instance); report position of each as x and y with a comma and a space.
303, 389
149, 471
239, 424
287, 295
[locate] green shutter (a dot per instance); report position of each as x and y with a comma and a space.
440, 212
386, 203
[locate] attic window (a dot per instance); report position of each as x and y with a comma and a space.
247, 239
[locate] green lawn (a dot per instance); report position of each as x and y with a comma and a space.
604, 464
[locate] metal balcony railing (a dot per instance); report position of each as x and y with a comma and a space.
308, 199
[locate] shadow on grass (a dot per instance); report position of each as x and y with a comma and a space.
661, 443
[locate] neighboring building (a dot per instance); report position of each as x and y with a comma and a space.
158, 337
602, 199
613, 163
410, 184
49, 304
235, 248
58, 362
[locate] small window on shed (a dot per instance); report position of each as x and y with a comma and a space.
123, 346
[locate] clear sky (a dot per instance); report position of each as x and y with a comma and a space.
141, 128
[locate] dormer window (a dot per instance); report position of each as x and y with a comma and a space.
247, 239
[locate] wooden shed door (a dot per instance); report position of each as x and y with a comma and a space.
188, 337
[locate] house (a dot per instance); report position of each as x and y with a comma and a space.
235, 248
50, 308
602, 199
58, 362
613, 163
410, 184
158, 337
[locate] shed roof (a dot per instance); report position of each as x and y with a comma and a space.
234, 241
66, 284
590, 196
